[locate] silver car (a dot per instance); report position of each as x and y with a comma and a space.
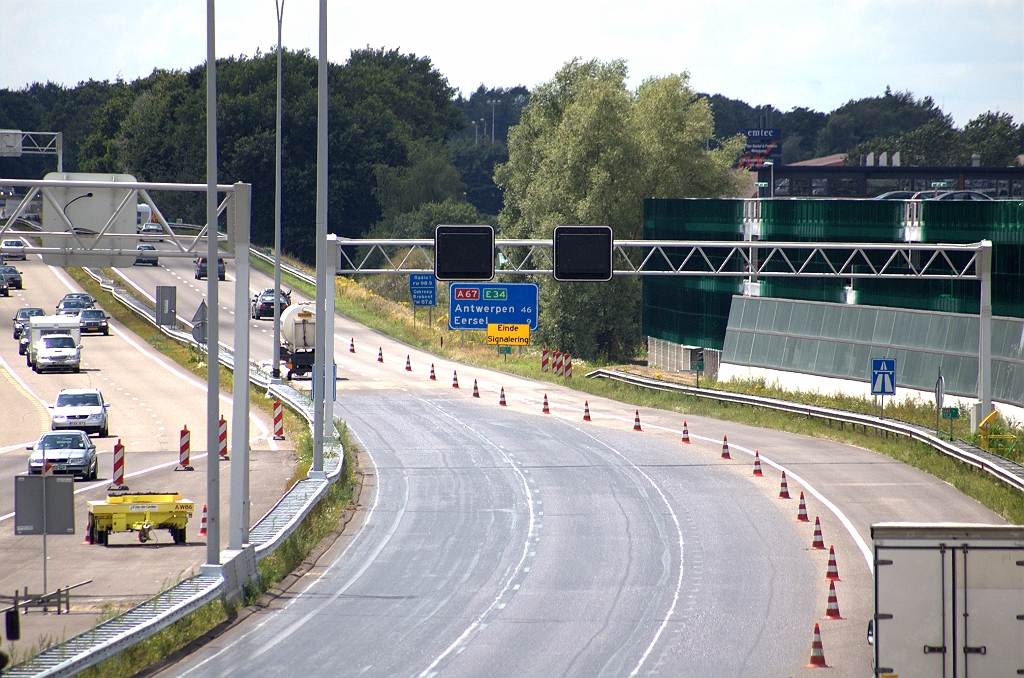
82, 409
65, 452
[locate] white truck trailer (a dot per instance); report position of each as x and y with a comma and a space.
949, 600
298, 338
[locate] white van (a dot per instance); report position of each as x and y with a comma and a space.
54, 343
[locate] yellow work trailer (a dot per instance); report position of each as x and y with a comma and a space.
139, 512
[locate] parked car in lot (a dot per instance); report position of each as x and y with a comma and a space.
12, 248
94, 320
146, 255
13, 277
21, 319
263, 303
82, 409
201, 268
66, 452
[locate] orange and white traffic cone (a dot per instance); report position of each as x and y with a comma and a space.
476, 391
202, 525
501, 398
833, 570
725, 447
686, 433
817, 651
818, 543
757, 464
408, 365
784, 488
636, 422
433, 377
801, 514
455, 378
545, 409
352, 345
380, 354
832, 609
586, 410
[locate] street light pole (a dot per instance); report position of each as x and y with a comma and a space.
492, 103
212, 301
276, 358
771, 182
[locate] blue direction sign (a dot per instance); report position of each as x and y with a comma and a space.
423, 288
472, 306
883, 376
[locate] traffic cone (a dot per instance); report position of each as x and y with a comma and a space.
833, 571
501, 398
352, 345
817, 651
586, 410
686, 434
408, 365
832, 610
88, 537
380, 354
476, 391
545, 409
784, 488
801, 514
725, 447
636, 422
455, 379
757, 464
433, 377
202, 525
818, 543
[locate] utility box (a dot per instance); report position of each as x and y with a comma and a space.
949, 600
166, 305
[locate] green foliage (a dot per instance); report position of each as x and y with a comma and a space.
864, 119
587, 151
427, 178
994, 136
476, 162
421, 222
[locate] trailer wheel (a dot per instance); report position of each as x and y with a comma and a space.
102, 537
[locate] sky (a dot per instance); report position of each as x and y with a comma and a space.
968, 56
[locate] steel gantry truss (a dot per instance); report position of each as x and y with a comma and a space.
693, 258
750, 259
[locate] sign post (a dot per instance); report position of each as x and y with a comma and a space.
951, 413
423, 290
940, 394
883, 378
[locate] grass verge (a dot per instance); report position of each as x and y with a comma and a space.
365, 305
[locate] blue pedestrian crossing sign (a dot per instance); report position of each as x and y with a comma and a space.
883, 376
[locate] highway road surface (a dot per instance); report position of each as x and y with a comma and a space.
151, 399
503, 541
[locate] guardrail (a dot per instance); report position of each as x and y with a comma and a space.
143, 621
1002, 468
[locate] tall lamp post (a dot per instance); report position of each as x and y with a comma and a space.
276, 364
771, 182
492, 103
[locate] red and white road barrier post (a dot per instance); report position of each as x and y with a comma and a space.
118, 482
278, 420
568, 366
184, 448
544, 360
222, 443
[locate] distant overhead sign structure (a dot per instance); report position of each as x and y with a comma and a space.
883, 376
464, 252
474, 306
582, 253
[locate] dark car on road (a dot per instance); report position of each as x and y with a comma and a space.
146, 255
71, 306
67, 452
201, 268
21, 318
263, 303
93, 320
13, 277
